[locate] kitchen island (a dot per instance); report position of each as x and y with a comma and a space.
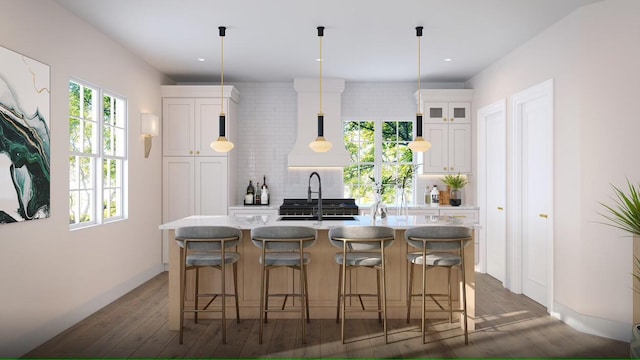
322, 271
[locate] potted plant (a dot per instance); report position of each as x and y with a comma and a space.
625, 215
455, 183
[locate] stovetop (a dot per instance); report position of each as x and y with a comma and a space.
329, 207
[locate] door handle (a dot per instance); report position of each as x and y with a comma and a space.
544, 216
500, 208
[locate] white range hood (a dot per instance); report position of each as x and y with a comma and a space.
308, 106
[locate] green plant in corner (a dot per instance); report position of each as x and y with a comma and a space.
625, 215
455, 181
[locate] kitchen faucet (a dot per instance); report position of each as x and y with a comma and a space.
319, 192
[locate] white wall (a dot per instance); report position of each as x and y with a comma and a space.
52, 277
593, 55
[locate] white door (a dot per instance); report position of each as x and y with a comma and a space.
492, 191
533, 160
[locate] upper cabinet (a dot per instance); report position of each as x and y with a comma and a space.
447, 126
190, 118
442, 112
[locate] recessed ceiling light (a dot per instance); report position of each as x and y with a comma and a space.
201, 59
448, 59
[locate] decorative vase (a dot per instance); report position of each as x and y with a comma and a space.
378, 209
455, 198
402, 209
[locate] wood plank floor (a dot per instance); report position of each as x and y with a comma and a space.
508, 325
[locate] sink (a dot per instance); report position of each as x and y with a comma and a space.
312, 218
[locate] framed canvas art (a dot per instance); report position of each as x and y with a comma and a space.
24, 138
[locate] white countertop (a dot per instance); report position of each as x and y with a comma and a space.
249, 222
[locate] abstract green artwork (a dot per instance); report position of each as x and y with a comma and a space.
24, 138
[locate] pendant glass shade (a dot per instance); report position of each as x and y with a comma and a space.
222, 144
419, 144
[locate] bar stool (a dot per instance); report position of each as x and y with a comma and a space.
441, 246
283, 246
362, 247
205, 246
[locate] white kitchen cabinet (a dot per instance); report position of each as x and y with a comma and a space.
190, 119
444, 112
193, 186
447, 126
195, 179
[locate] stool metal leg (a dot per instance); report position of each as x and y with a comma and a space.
338, 306
424, 287
378, 290
409, 292
183, 285
303, 302
235, 290
384, 295
262, 292
197, 291
449, 292
344, 280
464, 294
306, 292
266, 296
224, 296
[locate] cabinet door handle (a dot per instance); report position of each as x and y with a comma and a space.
190, 152
445, 169
450, 168
500, 208
198, 152
544, 216
452, 119
444, 119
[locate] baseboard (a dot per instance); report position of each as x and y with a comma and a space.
593, 325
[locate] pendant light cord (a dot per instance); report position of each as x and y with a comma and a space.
321, 60
222, 70
419, 36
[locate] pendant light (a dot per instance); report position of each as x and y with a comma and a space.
419, 144
222, 144
320, 144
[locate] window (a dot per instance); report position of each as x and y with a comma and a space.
97, 144
380, 155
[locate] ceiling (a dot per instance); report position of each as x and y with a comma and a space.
364, 40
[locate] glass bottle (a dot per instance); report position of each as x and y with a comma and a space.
264, 191
248, 198
427, 195
257, 195
435, 196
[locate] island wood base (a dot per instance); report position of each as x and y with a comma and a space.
323, 282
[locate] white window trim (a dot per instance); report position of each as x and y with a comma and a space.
98, 181
378, 148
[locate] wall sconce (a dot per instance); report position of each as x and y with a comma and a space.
149, 127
